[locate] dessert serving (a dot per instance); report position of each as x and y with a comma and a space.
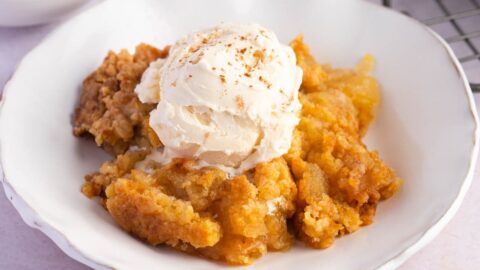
229, 144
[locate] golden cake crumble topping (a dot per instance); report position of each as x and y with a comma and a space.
327, 185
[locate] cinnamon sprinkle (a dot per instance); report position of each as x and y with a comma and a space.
240, 102
197, 59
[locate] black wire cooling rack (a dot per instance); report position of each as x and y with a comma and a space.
454, 19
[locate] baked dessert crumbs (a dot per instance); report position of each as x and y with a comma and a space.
109, 110
328, 185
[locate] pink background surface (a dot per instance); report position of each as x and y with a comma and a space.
21, 247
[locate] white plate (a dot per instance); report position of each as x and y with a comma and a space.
426, 126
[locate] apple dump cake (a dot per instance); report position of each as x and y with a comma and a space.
229, 144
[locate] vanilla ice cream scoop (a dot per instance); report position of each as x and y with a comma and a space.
227, 97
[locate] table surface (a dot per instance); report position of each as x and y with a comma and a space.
456, 247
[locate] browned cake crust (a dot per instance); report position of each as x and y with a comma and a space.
339, 181
328, 184
109, 109
200, 211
